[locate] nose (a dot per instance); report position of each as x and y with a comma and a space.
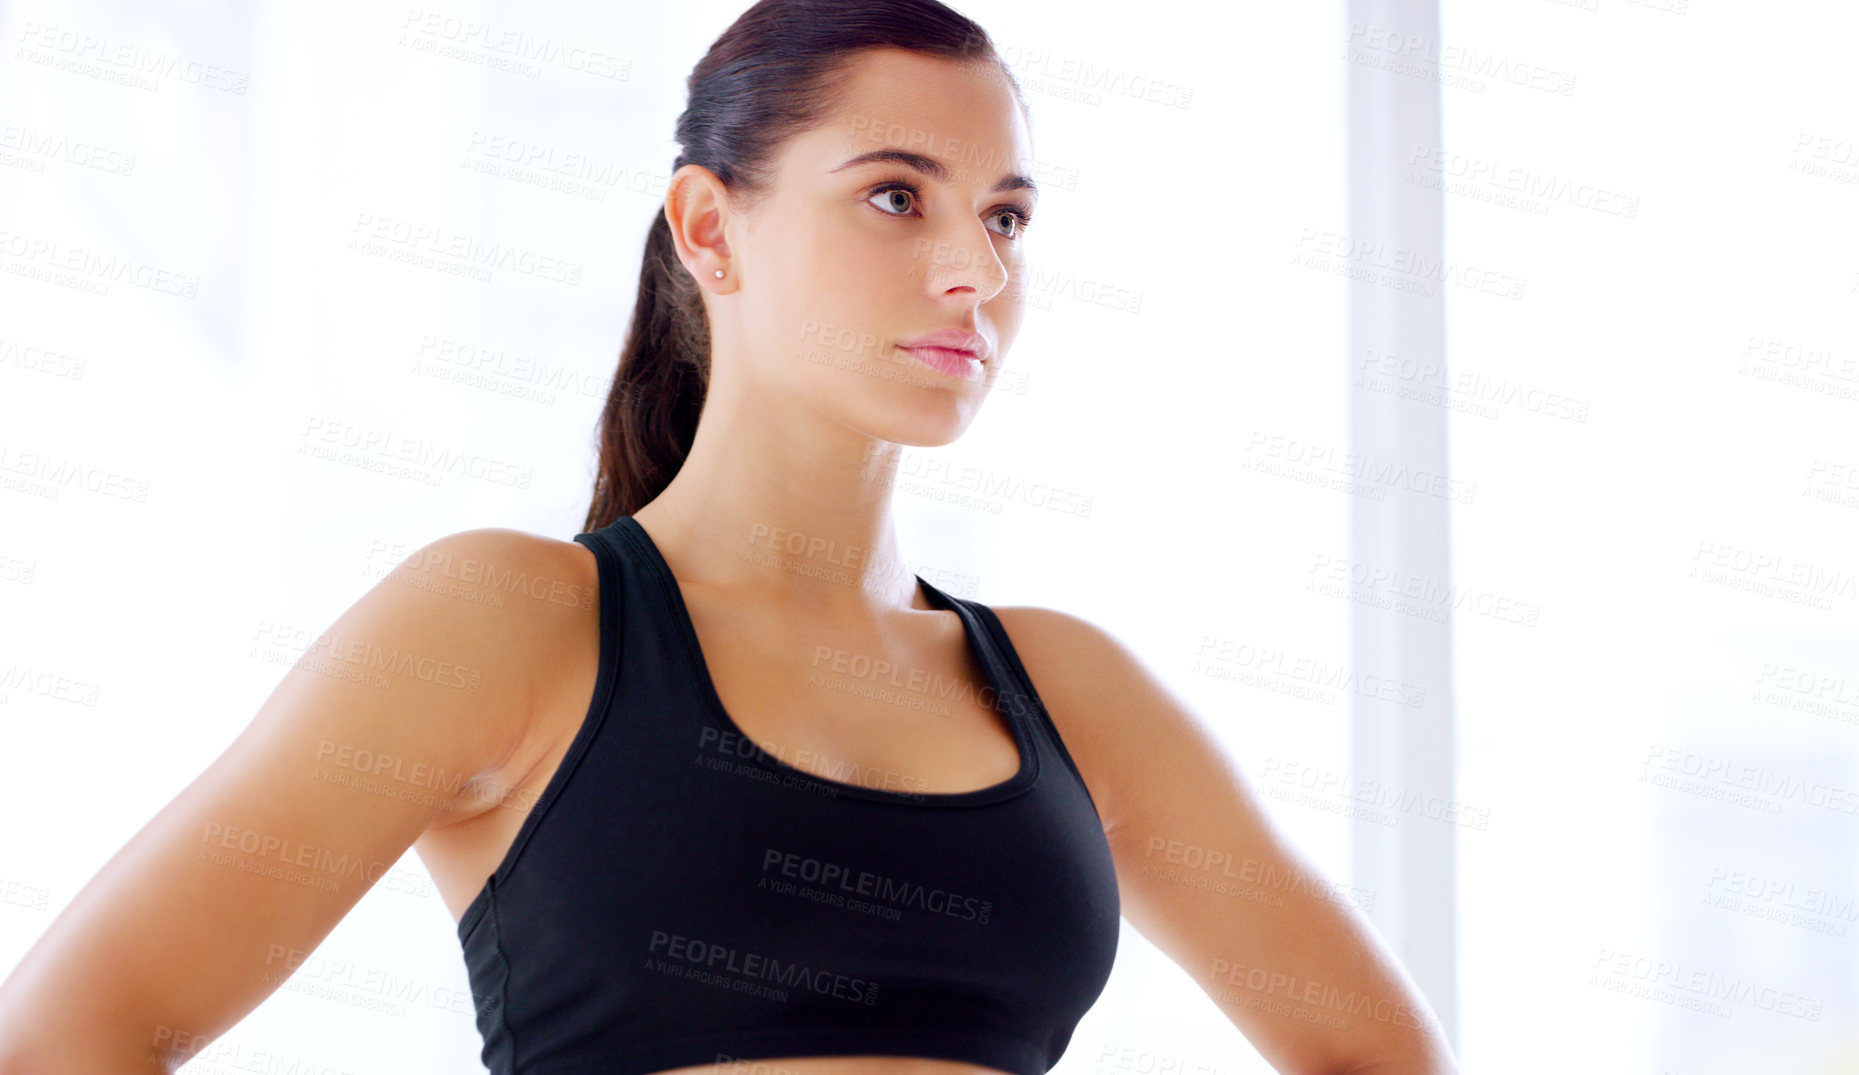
964, 258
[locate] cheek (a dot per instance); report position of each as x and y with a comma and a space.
837, 263
797, 279
824, 286
1008, 308
844, 275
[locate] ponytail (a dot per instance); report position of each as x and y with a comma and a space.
650, 419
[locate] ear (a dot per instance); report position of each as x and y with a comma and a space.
697, 209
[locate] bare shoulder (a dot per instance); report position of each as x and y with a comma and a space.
422, 687
532, 600
505, 568
1171, 796
510, 561
1121, 723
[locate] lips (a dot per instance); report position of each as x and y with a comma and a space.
973, 344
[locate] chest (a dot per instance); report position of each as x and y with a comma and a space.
914, 710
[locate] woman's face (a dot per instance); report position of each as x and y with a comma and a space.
844, 262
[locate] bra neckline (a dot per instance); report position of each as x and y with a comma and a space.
992, 668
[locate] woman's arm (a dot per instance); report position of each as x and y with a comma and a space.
1204, 875
207, 909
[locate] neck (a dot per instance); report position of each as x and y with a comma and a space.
787, 512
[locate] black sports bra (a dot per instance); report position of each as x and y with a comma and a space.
678, 896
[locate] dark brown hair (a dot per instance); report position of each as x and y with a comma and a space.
774, 73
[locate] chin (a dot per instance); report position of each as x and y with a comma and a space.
918, 423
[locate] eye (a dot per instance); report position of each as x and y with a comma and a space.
898, 191
1019, 217
893, 193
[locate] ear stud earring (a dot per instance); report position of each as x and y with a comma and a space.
719, 273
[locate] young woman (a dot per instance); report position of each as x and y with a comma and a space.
719, 781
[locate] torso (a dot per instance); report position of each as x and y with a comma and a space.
759, 661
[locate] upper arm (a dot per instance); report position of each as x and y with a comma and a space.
411, 694
1204, 874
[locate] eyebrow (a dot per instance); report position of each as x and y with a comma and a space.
933, 168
